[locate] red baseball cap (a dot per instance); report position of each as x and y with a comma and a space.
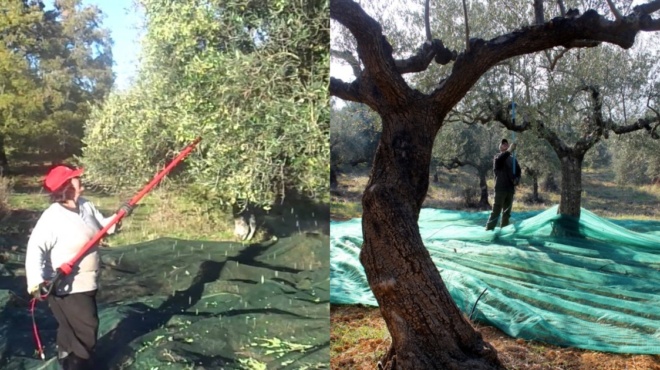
58, 175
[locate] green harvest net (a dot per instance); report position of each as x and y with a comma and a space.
594, 284
178, 304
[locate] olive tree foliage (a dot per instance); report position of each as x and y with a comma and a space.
354, 133
250, 77
637, 160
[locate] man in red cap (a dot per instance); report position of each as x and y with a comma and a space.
61, 231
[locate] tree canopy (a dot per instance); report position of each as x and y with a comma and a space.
54, 66
249, 77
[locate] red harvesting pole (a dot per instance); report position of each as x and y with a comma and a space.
66, 268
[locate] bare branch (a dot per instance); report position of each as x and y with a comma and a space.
467, 28
427, 22
562, 8
599, 129
349, 58
344, 90
554, 61
649, 123
501, 115
538, 12
615, 11
424, 56
648, 8
565, 32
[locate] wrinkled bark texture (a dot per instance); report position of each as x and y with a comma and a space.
428, 330
571, 185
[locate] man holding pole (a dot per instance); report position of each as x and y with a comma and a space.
507, 176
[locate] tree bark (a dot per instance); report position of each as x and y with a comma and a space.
483, 184
428, 330
4, 163
571, 184
535, 189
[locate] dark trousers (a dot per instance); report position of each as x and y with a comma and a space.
78, 326
503, 202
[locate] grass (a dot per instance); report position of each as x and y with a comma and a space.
359, 336
163, 212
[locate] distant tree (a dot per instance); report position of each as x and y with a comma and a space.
54, 66
354, 134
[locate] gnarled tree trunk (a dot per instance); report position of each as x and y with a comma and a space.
428, 331
571, 184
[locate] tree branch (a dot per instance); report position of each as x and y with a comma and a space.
538, 12
349, 58
615, 11
567, 32
424, 56
501, 115
554, 61
562, 8
467, 28
345, 90
600, 126
648, 8
427, 21
642, 123
374, 51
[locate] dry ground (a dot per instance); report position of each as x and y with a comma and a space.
359, 335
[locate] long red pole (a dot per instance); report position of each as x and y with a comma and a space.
66, 268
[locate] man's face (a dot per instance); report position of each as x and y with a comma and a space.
504, 147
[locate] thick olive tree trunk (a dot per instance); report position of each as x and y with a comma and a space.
428, 331
571, 185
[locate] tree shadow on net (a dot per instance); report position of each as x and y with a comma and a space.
114, 349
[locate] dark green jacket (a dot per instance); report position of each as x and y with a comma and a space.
503, 169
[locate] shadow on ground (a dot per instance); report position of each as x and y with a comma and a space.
184, 304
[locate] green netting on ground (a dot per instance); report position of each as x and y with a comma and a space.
177, 304
592, 284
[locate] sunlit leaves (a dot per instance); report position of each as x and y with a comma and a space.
250, 77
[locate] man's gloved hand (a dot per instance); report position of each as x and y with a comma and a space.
127, 208
39, 291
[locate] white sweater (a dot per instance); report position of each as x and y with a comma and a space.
56, 238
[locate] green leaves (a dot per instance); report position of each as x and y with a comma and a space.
52, 69
250, 77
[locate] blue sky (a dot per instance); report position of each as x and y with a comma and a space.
123, 21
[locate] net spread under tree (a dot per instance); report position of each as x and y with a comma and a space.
427, 328
591, 292
182, 304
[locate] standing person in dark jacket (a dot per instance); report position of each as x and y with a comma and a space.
505, 184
